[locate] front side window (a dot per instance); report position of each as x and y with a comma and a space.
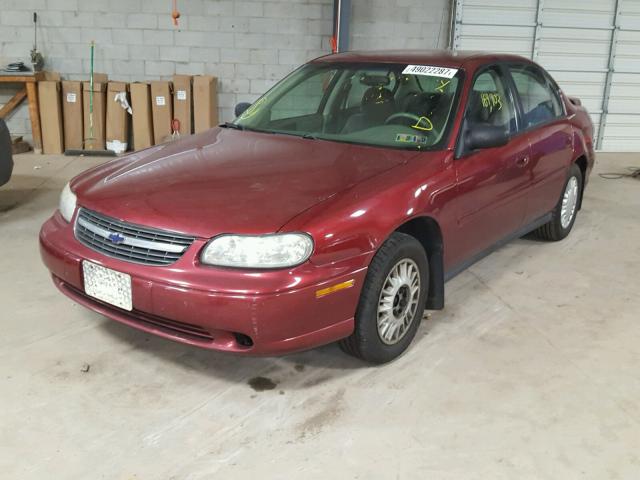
371, 104
490, 102
540, 103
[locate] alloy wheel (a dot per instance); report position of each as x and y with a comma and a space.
398, 301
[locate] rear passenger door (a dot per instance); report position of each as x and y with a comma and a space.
544, 123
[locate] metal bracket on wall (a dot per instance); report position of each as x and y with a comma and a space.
538, 31
454, 40
609, 78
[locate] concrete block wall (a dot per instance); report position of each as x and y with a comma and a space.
248, 45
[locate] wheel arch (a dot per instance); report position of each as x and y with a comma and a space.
427, 231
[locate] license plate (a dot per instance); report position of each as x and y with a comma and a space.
107, 285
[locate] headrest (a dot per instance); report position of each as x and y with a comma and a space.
377, 96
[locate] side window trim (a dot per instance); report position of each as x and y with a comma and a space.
549, 83
459, 150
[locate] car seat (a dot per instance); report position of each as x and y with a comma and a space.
376, 106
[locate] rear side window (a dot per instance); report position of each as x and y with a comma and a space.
540, 103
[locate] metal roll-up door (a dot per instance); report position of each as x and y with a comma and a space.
591, 47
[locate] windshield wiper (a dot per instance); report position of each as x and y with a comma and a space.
309, 136
235, 126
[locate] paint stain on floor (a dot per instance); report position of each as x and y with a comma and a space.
260, 384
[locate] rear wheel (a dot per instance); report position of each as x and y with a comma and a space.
564, 214
392, 301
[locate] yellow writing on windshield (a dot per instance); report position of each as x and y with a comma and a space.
424, 124
443, 83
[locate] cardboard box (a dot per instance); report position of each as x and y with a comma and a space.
182, 103
141, 118
117, 117
162, 109
95, 140
205, 102
50, 105
72, 114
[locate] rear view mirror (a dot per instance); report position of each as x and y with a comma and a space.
241, 107
483, 135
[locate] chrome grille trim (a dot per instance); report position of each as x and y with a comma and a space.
144, 245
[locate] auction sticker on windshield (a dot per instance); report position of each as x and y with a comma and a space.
430, 70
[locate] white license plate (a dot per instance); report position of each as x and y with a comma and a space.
107, 285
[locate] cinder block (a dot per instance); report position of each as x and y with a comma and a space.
204, 54
144, 52
278, 72
115, 52
51, 19
234, 55
157, 37
128, 68
292, 57
203, 23
237, 85
228, 100
159, 69
127, 36
24, 5
110, 20
102, 36
77, 19
250, 71
190, 68
248, 9
232, 24
17, 18
174, 54
142, 20
250, 40
219, 7
68, 5
264, 56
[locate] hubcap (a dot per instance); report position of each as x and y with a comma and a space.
398, 301
569, 202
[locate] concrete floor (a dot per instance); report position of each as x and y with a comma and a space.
531, 372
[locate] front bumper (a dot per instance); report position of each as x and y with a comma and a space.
216, 308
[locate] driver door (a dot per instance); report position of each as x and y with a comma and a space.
492, 182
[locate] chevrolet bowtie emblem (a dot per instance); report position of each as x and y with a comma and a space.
116, 238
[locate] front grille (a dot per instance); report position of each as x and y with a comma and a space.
132, 243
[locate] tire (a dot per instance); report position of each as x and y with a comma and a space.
558, 227
400, 257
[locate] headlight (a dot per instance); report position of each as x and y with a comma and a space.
67, 203
264, 251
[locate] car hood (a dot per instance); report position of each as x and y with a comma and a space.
225, 181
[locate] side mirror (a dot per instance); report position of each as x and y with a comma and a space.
241, 107
482, 135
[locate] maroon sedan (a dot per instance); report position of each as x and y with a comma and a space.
333, 208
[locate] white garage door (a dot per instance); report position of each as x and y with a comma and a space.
591, 47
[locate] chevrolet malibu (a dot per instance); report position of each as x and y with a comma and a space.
334, 208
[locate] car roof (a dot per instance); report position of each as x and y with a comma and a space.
444, 58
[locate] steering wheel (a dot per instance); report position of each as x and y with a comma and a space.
417, 122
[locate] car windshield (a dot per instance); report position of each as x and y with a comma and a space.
391, 105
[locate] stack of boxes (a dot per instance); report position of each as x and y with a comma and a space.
125, 116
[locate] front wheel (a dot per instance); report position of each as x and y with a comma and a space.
392, 301
564, 214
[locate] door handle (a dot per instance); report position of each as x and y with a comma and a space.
522, 161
